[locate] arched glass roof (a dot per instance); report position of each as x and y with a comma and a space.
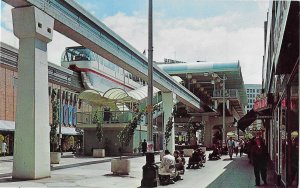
114, 95
133, 95
94, 98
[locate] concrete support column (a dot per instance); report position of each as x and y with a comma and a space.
34, 28
168, 103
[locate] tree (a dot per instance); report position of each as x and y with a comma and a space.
55, 122
169, 126
99, 130
127, 133
168, 132
190, 129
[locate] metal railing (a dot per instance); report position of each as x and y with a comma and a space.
105, 117
229, 93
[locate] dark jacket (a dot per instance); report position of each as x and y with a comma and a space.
259, 156
144, 146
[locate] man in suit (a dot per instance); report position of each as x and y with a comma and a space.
260, 160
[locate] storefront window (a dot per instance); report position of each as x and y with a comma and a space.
283, 142
276, 140
293, 122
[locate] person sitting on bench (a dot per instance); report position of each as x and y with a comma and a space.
181, 155
196, 160
215, 154
178, 165
167, 166
202, 156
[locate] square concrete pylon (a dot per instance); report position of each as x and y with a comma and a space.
168, 99
34, 29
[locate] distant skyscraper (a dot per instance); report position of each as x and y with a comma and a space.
253, 90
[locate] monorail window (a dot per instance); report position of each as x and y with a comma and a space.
78, 54
109, 65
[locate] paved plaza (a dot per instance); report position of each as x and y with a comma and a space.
95, 172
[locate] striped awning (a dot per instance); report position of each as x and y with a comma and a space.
7, 125
10, 126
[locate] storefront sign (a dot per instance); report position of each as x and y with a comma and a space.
260, 104
283, 103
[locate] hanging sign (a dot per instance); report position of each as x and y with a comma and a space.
260, 104
150, 146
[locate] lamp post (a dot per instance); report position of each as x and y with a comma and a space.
150, 170
224, 125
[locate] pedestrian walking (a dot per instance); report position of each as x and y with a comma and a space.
260, 159
241, 147
144, 147
249, 146
236, 148
3, 148
230, 146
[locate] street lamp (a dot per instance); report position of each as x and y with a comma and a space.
150, 170
217, 77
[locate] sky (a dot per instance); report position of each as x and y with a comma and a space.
189, 31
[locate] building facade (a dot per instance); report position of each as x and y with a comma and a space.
281, 86
61, 80
252, 91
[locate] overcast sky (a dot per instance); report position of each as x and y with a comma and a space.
183, 30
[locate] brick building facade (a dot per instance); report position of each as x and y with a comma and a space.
65, 80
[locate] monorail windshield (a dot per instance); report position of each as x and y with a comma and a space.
78, 54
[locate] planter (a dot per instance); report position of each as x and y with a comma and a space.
99, 153
55, 157
120, 166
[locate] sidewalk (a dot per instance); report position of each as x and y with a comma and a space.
223, 173
238, 174
95, 172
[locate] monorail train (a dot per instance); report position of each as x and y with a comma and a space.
97, 72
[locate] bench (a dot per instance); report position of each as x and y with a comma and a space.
166, 178
177, 167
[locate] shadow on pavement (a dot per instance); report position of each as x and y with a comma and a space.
239, 174
227, 159
118, 175
86, 163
